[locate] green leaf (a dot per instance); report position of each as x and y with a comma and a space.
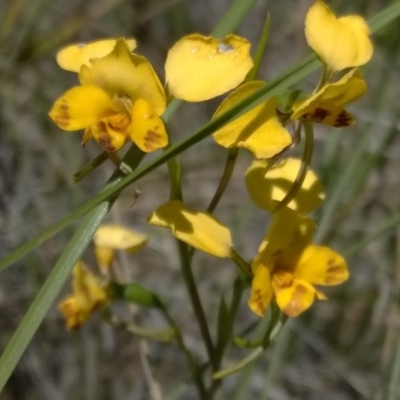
165, 335
262, 44
224, 328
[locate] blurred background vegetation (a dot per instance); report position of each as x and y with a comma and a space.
345, 348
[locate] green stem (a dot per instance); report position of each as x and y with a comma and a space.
88, 168
255, 353
226, 176
239, 286
175, 174
326, 75
301, 175
196, 302
197, 372
241, 364
165, 335
275, 320
243, 266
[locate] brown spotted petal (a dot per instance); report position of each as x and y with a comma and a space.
81, 107
110, 133
261, 290
327, 105
328, 114
321, 265
147, 129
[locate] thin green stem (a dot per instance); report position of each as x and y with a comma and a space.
194, 366
165, 335
196, 302
175, 175
326, 75
271, 335
239, 285
243, 266
238, 289
240, 365
88, 168
302, 173
275, 316
226, 176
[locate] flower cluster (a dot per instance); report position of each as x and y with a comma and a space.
287, 266
120, 97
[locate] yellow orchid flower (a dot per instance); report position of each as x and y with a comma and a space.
199, 67
109, 238
267, 189
326, 106
340, 42
198, 229
87, 296
288, 266
120, 96
259, 130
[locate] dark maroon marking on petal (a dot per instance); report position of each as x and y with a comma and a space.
63, 117
257, 299
104, 139
334, 268
319, 114
343, 119
151, 139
